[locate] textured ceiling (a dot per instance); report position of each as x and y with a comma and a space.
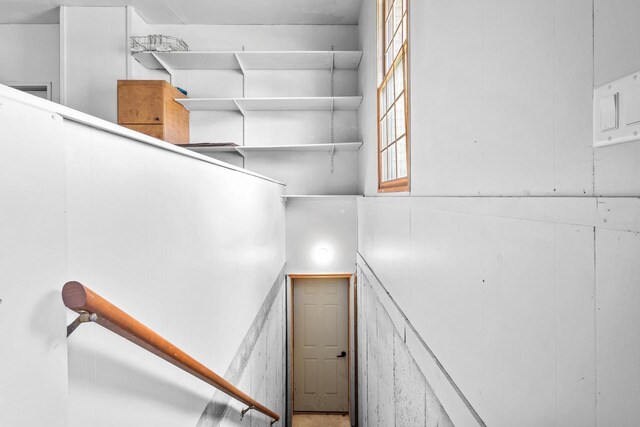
266, 12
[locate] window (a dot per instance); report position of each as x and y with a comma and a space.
393, 98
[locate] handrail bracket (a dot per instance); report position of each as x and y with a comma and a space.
84, 317
245, 410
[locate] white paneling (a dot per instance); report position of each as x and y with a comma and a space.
32, 267
197, 12
617, 326
519, 126
616, 43
215, 126
313, 224
308, 172
171, 239
505, 300
31, 54
174, 251
95, 58
616, 170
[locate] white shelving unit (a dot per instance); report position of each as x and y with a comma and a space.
244, 105
245, 62
250, 60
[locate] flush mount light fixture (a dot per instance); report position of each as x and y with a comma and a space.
322, 253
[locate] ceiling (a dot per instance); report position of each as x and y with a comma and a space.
264, 12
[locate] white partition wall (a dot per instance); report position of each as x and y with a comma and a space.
170, 237
512, 259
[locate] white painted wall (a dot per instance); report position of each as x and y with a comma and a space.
32, 267
169, 238
528, 302
321, 223
94, 55
31, 54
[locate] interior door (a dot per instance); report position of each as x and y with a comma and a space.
320, 345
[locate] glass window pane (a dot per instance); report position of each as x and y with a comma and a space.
390, 94
391, 126
398, 75
400, 117
389, 31
397, 44
397, 14
392, 162
401, 147
383, 100
384, 140
389, 63
385, 172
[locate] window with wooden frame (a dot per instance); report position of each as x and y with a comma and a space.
393, 98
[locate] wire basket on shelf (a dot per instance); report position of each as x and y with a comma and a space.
157, 43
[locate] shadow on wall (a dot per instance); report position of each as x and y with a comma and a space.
123, 377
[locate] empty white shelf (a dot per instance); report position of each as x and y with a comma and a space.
320, 196
338, 146
273, 104
247, 61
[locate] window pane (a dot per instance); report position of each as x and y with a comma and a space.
400, 117
391, 126
383, 100
389, 63
392, 162
389, 89
401, 146
397, 14
385, 172
384, 140
397, 44
398, 75
389, 32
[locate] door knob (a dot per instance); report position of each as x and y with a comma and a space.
343, 354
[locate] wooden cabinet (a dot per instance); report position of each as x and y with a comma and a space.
149, 106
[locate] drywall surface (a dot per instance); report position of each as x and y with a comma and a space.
94, 51
526, 301
172, 240
321, 236
529, 304
32, 267
31, 54
617, 53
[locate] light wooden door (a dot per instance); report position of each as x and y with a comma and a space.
320, 345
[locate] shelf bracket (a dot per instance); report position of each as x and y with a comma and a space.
84, 317
165, 66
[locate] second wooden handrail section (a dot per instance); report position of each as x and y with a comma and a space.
83, 300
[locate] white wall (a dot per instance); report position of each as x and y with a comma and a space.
528, 302
32, 267
31, 54
94, 55
321, 223
154, 232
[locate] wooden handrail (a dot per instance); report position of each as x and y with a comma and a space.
83, 300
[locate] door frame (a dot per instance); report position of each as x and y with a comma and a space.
351, 350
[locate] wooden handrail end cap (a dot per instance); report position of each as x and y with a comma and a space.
74, 295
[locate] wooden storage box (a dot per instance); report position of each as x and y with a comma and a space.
149, 106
